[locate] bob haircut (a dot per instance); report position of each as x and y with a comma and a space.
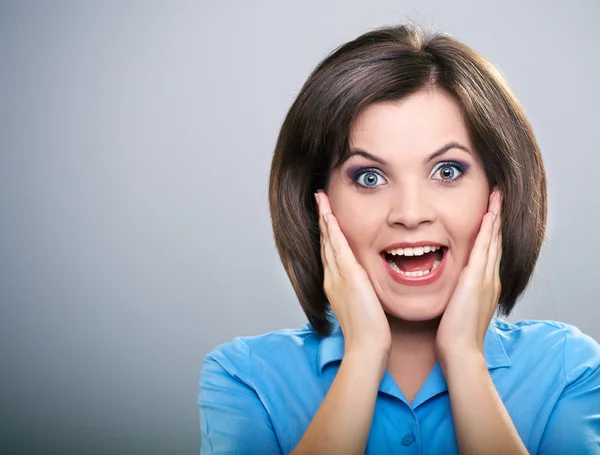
389, 64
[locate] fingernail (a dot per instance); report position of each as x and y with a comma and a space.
317, 198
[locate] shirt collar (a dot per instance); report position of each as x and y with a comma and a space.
493, 347
331, 348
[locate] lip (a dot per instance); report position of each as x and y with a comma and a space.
412, 245
415, 280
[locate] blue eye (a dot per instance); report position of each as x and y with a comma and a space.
368, 178
448, 172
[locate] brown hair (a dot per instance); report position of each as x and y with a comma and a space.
389, 64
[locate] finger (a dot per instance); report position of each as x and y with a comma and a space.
479, 253
491, 270
493, 252
326, 253
498, 281
330, 253
486, 231
323, 201
323, 233
495, 201
496, 245
342, 253
495, 255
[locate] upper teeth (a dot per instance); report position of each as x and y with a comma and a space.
416, 251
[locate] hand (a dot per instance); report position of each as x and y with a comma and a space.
348, 288
470, 310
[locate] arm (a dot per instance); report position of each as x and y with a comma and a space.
481, 422
232, 417
343, 421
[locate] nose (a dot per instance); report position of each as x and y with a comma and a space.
411, 205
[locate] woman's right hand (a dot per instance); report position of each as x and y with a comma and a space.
349, 290
343, 421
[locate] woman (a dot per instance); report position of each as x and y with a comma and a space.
408, 200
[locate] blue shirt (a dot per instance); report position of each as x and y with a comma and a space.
259, 394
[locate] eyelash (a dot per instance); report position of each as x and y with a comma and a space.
461, 168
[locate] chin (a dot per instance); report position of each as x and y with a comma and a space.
416, 308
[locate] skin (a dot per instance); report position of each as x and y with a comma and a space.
387, 324
409, 203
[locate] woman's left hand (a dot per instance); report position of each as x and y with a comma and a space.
470, 310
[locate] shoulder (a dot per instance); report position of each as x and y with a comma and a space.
249, 357
577, 352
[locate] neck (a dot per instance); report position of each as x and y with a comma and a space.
413, 353
413, 340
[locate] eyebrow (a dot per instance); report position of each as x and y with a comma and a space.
434, 155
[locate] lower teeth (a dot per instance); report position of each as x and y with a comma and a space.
417, 273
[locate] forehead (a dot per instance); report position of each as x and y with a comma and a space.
418, 124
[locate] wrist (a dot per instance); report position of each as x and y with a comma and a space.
368, 358
461, 359
368, 345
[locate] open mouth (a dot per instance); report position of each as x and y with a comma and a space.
415, 262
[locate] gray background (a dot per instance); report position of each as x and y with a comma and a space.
135, 143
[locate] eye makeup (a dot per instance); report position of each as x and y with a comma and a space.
357, 173
455, 166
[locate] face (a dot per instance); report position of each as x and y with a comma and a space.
410, 200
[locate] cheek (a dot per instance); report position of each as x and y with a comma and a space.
463, 222
358, 220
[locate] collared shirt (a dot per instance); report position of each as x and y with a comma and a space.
259, 394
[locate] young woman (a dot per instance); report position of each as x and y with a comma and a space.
408, 200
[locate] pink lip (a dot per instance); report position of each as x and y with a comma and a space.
415, 280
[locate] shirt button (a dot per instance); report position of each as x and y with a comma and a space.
408, 439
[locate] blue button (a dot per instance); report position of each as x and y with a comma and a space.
408, 439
